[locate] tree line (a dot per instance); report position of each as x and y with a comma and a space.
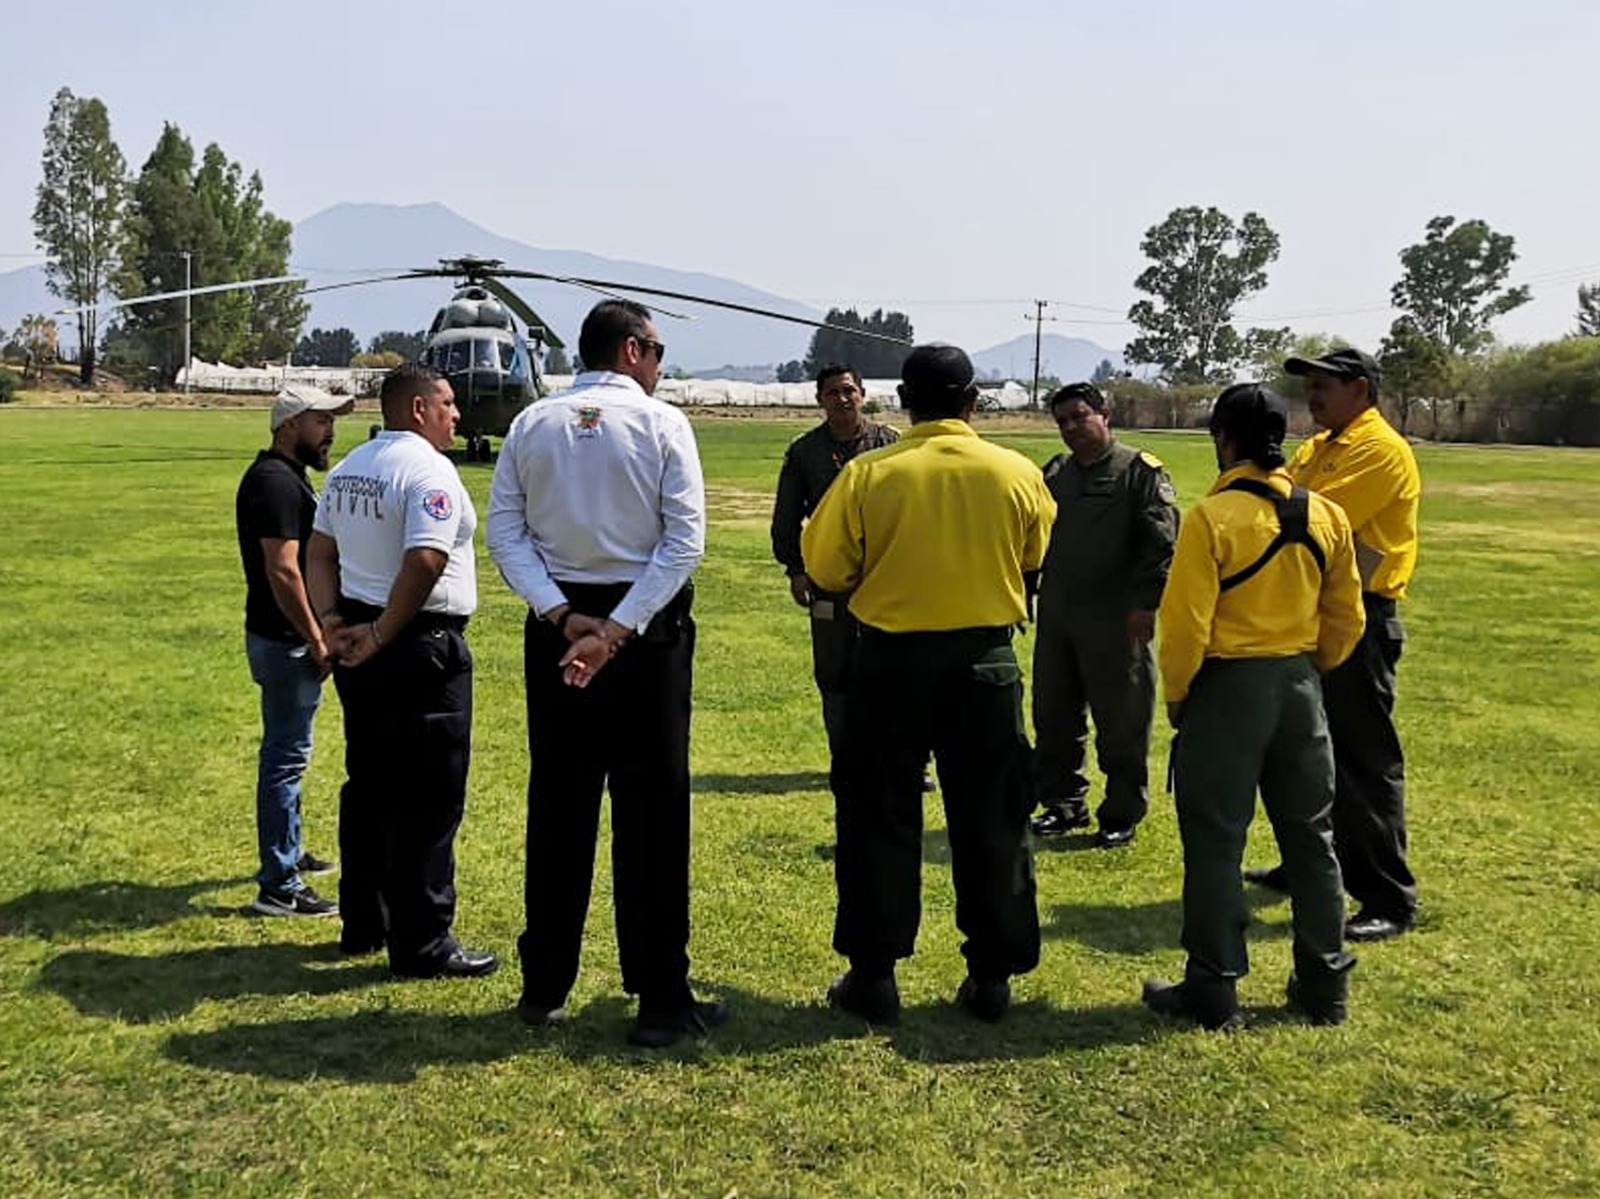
1444, 372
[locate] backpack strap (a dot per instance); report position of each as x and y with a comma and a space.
1294, 527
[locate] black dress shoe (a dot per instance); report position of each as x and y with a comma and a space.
1317, 1009
458, 963
1057, 820
875, 1000
1273, 878
657, 1030
1369, 926
1114, 836
1181, 1002
539, 1015
987, 999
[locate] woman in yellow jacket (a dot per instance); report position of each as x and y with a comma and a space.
1263, 598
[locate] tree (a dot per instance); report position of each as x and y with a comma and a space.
793, 371
77, 218
410, 346
875, 359
384, 360
212, 221
1203, 265
1103, 373
556, 363
327, 347
1453, 284
38, 337
1589, 310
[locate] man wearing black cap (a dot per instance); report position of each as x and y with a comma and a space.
932, 536
273, 511
1263, 597
1117, 516
1364, 465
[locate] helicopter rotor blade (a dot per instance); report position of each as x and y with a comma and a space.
604, 286
374, 279
529, 317
178, 295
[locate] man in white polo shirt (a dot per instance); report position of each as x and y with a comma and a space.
597, 519
393, 578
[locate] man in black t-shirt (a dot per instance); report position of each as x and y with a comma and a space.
274, 509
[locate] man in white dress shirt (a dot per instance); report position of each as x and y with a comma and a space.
392, 577
597, 519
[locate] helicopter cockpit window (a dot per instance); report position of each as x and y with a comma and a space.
451, 358
484, 357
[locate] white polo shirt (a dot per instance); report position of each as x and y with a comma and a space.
392, 494
599, 484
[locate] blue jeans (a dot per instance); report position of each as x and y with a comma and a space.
291, 689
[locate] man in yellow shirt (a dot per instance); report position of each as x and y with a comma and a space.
932, 537
1263, 597
1364, 465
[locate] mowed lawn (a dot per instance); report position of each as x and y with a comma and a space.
156, 1040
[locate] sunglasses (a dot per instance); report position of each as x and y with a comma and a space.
657, 347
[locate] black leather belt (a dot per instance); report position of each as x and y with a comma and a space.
356, 612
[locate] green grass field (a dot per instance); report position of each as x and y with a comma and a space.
154, 1040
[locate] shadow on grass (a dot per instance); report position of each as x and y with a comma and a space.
392, 1047
762, 784
1141, 927
940, 1032
139, 990
106, 907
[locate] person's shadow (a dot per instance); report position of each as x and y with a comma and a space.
107, 906
761, 784
393, 1046
140, 990
1141, 928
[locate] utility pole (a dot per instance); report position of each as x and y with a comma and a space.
188, 320
1038, 318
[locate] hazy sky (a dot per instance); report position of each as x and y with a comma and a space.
950, 160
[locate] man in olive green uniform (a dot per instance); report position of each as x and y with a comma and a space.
810, 465
1103, 575
1264, 597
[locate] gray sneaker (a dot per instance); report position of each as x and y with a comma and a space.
304, 902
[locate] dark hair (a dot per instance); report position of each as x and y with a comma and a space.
608, 325
937, 381
405, 381
829, 370
1087, 392
1255, 419
937, 403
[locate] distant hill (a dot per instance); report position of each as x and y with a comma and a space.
23, 292
1067, 358
354, 240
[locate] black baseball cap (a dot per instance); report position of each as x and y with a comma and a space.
1251, 414
937, 367
1347, 363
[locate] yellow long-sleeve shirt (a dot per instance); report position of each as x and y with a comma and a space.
1286, 608
932, 533
1368, 469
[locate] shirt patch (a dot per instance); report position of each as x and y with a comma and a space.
1151, 460
589, 421
437, 505
1166, 490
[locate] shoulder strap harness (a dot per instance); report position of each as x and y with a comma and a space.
1294, 527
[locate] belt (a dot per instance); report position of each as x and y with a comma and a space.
356, 612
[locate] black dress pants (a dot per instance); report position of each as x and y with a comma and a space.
957, 695
627, 731
1369, 800
408, 744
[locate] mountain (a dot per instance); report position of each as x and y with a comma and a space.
351, 241
1067, 358
22, 293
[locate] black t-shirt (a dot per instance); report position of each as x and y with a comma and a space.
276, 501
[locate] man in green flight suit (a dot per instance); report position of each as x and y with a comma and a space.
1098, 594
810, 466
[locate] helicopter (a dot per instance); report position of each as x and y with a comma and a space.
474, 340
